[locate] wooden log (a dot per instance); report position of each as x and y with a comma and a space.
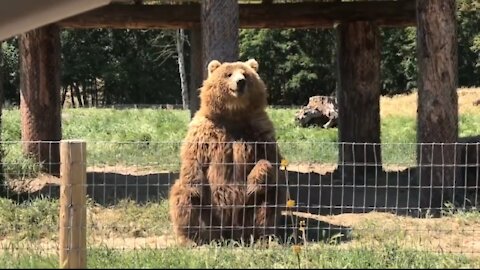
320, 111
73, 213
359, 98
40, 101
285, 15
437, 114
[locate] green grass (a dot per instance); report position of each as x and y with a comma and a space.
128, 218
29, 223
29, 220
319, 256
36, 219
150, 137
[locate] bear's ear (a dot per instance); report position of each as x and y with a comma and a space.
214, 64
253, 64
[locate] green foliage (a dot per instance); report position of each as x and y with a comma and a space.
295, 64
468, 16
398, 54
122, 66
11, 76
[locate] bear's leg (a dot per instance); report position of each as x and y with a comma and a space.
269, 220
267, 200
191, 214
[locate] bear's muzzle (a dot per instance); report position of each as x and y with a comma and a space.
241, 86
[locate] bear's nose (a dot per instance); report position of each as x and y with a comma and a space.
241, 85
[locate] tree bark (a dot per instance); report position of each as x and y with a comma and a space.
220, 26
78, 94
2, 180
40, 96
180, 38
72, 96
437, 114
85, 91
359, 98
196, 70
96, 93
64, 95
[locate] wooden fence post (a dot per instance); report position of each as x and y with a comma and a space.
73, 214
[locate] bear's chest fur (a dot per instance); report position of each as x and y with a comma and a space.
233, 157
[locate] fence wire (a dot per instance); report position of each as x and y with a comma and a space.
420, 196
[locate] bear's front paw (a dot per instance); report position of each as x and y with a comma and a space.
264, 166
258, 176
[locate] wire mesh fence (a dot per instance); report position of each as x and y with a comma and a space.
143, 195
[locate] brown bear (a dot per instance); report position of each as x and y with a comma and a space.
229, 185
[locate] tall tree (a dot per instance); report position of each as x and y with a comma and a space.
359, 98
437, 112
40, 96
2, 180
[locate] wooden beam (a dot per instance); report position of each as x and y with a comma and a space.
288, 15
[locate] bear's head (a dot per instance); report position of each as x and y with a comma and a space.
232, 88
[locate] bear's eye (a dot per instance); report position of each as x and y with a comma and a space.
229, 74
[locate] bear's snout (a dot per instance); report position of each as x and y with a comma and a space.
241, 85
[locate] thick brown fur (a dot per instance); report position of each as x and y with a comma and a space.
229, 180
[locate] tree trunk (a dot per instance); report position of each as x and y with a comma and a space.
78, 94
72, 96
85, 90
437, 114
95, 96
220, 24
64, 95
3, 188
180, 37
196, 69
359, 99
40, 95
